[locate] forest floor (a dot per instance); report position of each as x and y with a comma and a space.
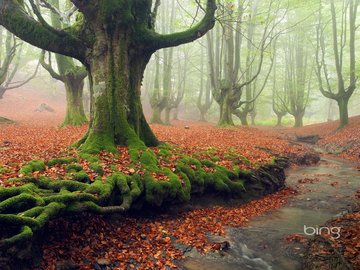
149, 242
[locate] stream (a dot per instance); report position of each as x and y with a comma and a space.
261, 245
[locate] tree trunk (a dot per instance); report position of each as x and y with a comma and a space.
202, 116
343, 112
243, 119
176, 114
298, 120
167, 116
156, 116
117, 117
75, 114
253, 116
279, 120
225, 113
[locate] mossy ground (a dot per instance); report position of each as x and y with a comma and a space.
133, 177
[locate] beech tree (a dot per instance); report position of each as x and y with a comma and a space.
10, 52
298, 72
69, 73
343, 31
114, 40
231, 77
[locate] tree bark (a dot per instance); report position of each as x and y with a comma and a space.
343, 112
156, 116
167, 116
75, 114
298, 120
243, 119
225, 113
279, 120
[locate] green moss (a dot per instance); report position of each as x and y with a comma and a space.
73, 168
148, 159
89, 157
25, 234
114, 168
26, 170
59, 161
215, 158
96, 167
4, 170
81, 176
33, 166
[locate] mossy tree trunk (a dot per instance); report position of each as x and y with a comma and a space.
226, 111
114, 39
117, 70
75, 114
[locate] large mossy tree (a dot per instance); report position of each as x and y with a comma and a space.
114, 39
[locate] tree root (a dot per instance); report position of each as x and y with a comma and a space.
25, 209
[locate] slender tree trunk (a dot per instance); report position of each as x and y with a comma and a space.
343, 111
75, 114
117, 115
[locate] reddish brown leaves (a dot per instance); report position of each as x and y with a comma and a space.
147, 243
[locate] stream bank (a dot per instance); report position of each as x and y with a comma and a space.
277, 240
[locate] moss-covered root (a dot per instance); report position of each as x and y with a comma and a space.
25, 209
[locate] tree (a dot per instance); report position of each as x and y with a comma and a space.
69, 73
230, 77
298, 76
10, 52
345, 87
205, 98
277, 97
114, 39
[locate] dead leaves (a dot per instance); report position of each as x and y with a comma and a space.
349, 241
148, 243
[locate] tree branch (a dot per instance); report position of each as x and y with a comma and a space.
49, 68
157, 41
16, 20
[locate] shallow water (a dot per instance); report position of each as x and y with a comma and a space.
261, 246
